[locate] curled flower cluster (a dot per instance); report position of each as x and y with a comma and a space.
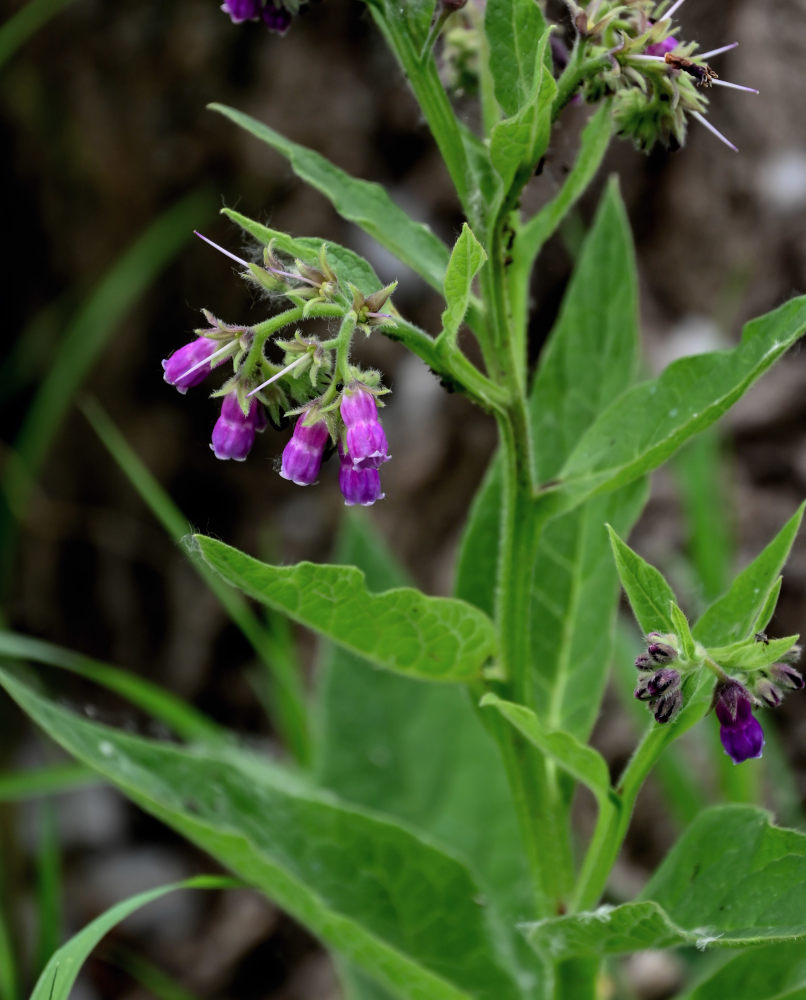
659, 684
335, 402
275, 14
656, 82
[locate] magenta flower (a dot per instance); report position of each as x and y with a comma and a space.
365, 440
302, 456
242, 10
185, 368
740, 731
234, 432
661, 48
358, 486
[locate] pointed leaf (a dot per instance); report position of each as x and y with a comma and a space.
363, 202
478, 551
681, 629
645, 425
432, 638
59, 975
733, 616
513, 29
345, 874
467, 258
768, 973
649, 594
582, 762
770, 604
752, 655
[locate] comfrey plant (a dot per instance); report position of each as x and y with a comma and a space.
422, 828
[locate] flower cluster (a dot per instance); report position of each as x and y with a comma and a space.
335, 402
655, 81
734, 698
275, 14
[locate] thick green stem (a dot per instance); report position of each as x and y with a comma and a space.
572, 76
575, 979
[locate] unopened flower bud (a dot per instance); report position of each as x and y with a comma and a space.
644, 662
662, 652
358, 486
792, 655
302, 456
234, 431
185, 368
786, 675
668, 705
662, 680
276, 18
242, 10
769, 693
365, 440
642, 692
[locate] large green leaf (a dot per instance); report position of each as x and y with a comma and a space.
363, 202
646, 424
467, 258
390, 902
431, 638
771, 972
423, 753
732, 880
59, 975
649, 594
733, 616
513, 29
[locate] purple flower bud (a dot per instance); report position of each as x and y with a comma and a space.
276, 18
668, 705
792, 655
662, 652
242, 10
302, 456
641, 691
358, 486
234, 433
787, 676
769, 693
661, 48
181, 367
644, 662
365, 440
662, 680
740, 732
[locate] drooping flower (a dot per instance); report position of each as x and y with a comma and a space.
365, 440
302, 456
359, 486
276, 18
242, 10
186, 367
234, 431
740, 731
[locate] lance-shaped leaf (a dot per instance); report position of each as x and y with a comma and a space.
431, 638
734, 616
645, 425
752, 655
348, 265
514, 29
650, 596
59, 975
582, 762
363, 202
731, 881
392, 903
467, 258
682, 630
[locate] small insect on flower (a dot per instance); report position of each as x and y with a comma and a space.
703, 74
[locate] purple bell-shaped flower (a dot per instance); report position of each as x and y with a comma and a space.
740, 731
234, 431
358, 486
186, 367
302, 456
365, 440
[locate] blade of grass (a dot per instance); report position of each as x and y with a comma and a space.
9, 969
151, 977
25, 22
48, 780
290, 715
48, 886
183, 719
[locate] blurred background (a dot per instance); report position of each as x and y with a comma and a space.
110, 160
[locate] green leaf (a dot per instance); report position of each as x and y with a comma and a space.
582, 762
477, 563
732, 880
518, 142
49, 887
646, 424
467, 258
766, 973
345, 874
514, 29
734, 616
25, 22
424, 755
348, 265
534, 234
59, 975
432, 638
183, 719
770, 604
681, 629
363, 202
49, 780
750, 655
649, 594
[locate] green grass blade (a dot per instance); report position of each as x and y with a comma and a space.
49, 780
183, 719
28, 19
151, 977
9, 973
48, 886
288, 693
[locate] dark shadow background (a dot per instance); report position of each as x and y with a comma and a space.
102, 127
